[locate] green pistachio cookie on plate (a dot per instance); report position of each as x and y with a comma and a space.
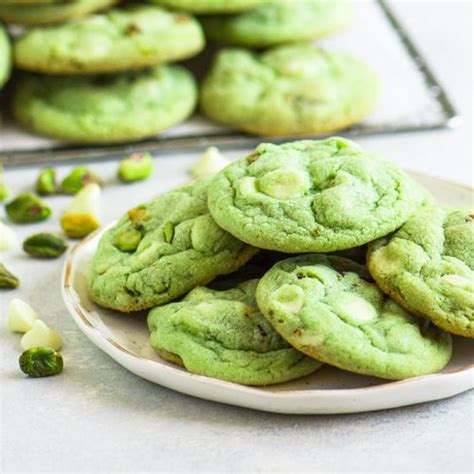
222, 334
162, 249
210, 6
279, 22
42, 14
330, 309
5, 56
288, 90
105, 108
311, 196
120, 39
428, 267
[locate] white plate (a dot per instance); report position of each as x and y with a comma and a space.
328, 390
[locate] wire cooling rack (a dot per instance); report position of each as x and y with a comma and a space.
412, 100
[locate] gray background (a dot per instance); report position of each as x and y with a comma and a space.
97, 417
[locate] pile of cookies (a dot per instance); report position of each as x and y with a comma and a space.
300, 254
98, 71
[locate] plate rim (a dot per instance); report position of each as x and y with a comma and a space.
117, 352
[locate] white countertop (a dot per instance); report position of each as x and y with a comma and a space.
97, 417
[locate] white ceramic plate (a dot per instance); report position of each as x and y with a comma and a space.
328, 390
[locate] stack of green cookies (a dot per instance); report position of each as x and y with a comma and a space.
280, 238
102, 77
95, 71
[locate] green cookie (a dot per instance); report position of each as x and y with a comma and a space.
161, 250
311, 196
117, 40
222, 334
281, 22
50, 13
428, 267
106, 108
288, 90
328, 308
210, 6
5, 56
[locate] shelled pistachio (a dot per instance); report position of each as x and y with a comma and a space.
77, 179
41, 362
46, 182
136, 167
26, 208
7, 279
3, 187
44, 245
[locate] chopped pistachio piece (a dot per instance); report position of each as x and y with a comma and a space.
7, 279
138, 216
209, 163
41, 362
77, 179
82, 214
7, 237
20, 316
3, 187
41, 335
46, 182
128, 240
169, 231
44, 245
27, 207
136, 167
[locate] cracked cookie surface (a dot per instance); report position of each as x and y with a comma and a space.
428, 267
120, 39
278, 22
311, 196
329, 308
161, 250
288, 90
105, 108
222, 334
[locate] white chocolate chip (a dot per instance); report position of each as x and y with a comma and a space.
7, 237
248, 187
353, 309
41, 335
20, 316
455, 280
290, 297
285, 183
209, 163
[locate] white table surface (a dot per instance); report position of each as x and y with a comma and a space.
97, 417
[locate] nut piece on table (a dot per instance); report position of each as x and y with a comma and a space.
41, 335
7, 279
41, 362
44, 245
7, 237
46, 182
82, 214
137, 167
20, 316
3, 187
77, 179
209, 163
26, 208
